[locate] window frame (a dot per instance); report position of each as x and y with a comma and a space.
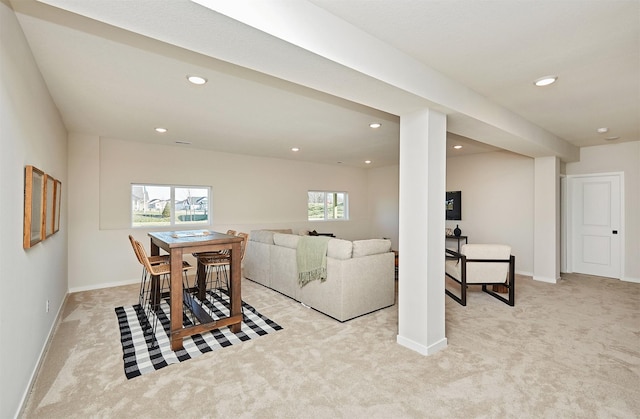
345, 215
172, 201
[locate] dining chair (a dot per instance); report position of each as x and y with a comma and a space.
154, 293
153, 260
219, 264
217, 252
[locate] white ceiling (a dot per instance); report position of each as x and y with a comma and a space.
121, 83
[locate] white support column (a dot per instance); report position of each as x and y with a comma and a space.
421, 231
546, 230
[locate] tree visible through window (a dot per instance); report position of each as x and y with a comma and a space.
166, 205
324, 205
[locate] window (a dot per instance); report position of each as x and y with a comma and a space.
327, 206
166, 205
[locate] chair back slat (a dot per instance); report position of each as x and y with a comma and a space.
152, 269
135, 250
243, 244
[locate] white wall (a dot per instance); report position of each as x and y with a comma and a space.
546, 226
267, 193
497, 201
623, 157
31, 133
383, 202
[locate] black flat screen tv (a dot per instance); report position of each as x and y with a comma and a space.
453, 205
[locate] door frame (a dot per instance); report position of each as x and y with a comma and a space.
566, 215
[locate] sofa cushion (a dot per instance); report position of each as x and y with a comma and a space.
370, 247
479, 272
286, 240
339, 249
280, 230
262, 236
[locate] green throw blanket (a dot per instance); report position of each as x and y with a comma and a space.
312, 259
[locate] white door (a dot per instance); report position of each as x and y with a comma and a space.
596, 225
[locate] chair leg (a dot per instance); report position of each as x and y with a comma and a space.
225, 274
209, 282
185, 282
463, 293
151, 307
159, 287
512, 280
187, 297
462, 300
219, 281
144, 298
143, 285
153, 290
221, 278
148, 290
511, 285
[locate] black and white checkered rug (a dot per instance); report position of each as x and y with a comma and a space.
142, 355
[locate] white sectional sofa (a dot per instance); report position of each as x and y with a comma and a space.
360, 274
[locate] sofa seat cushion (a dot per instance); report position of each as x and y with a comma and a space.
370, 247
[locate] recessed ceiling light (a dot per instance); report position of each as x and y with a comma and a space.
457, 147
545, 81
161, 130
612, 138
602, 130
375, 125
295, 149
182, 142
367, 161
197, 79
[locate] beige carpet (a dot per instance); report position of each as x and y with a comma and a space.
565, 350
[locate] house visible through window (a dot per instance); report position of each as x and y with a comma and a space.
324, 205
167, 205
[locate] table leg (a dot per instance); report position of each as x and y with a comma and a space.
201, 282
155, 250
175, 313
235, 292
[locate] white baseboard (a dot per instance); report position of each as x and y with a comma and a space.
43, 351
114, 284
104, 285
421, 349
630, 279
545, 279
523, 273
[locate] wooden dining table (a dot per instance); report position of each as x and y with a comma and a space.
179, 243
